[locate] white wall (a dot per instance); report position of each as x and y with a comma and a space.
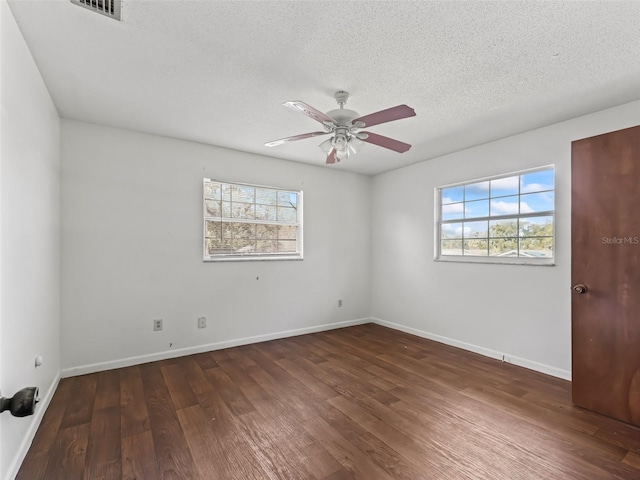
29, 239
522, 312
132, 250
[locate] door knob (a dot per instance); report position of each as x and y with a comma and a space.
579, 288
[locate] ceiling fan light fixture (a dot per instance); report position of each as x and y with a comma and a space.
342, 154
354, 145
326, 146
339, 142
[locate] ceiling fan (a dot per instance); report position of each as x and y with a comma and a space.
345, 125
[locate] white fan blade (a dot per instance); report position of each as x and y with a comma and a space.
294, 138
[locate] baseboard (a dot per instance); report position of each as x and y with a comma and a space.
127, 362
41, 407
506, 357
137, 360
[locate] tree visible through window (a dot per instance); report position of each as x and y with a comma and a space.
500, 218
248, 221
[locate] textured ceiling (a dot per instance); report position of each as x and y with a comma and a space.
217, 72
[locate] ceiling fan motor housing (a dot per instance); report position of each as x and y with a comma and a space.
343, 116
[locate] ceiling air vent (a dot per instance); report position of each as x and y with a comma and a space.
109, 8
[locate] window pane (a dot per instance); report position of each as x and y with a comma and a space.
287, 246
210, 245
537, 181
476, 191
503, 228
216, 246
265, 196
451, 195
505, 206
266, 246
214, 208
287, 214
503, 247
228, 231
287, 199
243, 210
212, 190
536, 236
476, 229
451, 230
226, 209
244, 230
536, 202
213, 229
505, 186
238, 230
267, 231
241, 193
451, 247
243, 245
287, 233
478, 208
452, 211
476, 247
265, 212
536, 226
536, 247
226, 192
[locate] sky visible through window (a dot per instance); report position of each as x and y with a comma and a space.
508, 216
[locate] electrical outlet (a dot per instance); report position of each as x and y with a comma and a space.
157, 324
202, 322
340, 302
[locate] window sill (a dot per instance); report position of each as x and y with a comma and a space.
538, 262
249, 258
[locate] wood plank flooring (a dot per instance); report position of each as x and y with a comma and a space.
364, 402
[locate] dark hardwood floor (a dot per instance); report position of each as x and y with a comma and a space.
364, 402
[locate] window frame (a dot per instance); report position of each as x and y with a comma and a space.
539, 261
249, 256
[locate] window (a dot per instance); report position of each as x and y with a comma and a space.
505, 219
248, 222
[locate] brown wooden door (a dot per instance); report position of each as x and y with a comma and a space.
605, 257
